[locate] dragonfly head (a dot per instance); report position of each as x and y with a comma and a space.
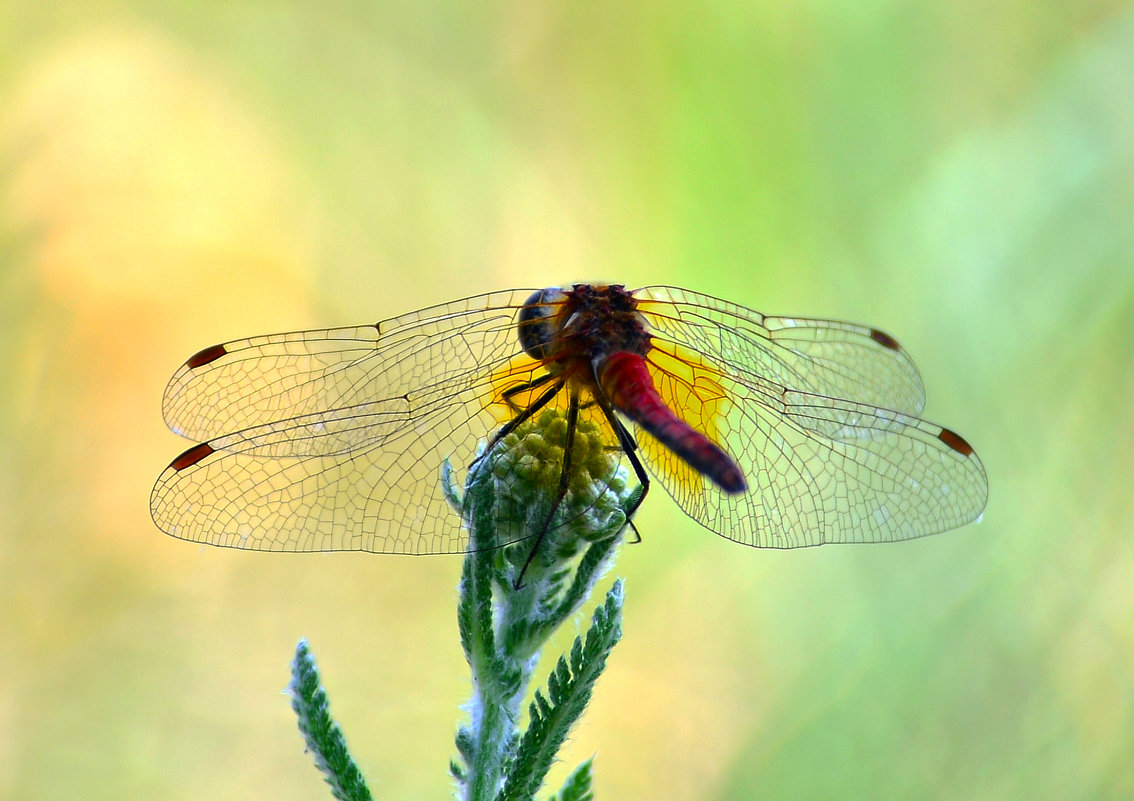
536, 326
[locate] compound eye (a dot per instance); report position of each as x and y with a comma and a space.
536, 327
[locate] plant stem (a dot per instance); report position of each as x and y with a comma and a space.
504, 621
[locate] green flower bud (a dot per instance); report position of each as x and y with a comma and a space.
521, 479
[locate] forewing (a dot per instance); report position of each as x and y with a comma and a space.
300, 375
824, 357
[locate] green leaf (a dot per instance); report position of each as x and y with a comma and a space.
578, 785
323, 736
569, 689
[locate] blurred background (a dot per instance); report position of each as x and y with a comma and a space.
960, 174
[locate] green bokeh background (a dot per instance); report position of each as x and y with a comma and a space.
960, 174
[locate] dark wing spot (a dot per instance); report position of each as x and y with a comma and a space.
955, 441
191, 456
884, 339
209, 354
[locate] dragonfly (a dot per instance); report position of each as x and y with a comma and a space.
772, 431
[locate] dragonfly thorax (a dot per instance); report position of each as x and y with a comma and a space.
581, 325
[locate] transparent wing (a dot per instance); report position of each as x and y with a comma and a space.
334, 439
829, 454
825, 357
825, 470
268, 379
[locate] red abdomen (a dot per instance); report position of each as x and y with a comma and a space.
626, 382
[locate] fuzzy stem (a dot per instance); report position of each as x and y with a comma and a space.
504, 621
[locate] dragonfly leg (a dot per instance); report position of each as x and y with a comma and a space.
626, 441
561, 490
629, 447
511, 392
522, 417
